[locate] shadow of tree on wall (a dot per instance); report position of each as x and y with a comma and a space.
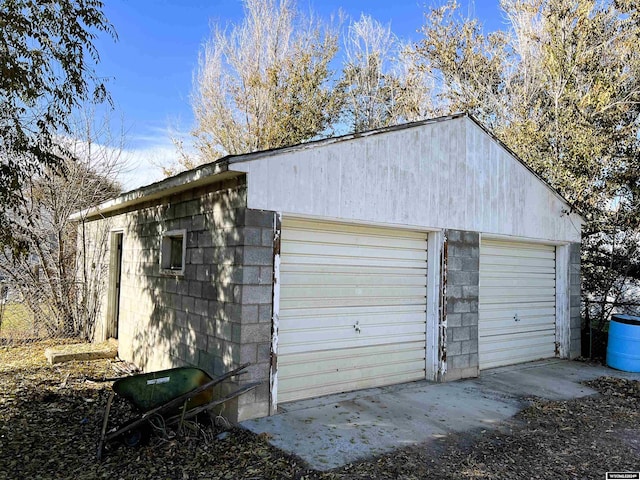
193, 318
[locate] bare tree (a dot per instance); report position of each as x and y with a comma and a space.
383, 84
46, 279
264, 83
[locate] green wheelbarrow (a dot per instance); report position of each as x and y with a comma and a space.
171, 396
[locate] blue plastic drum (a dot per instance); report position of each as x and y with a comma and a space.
623, 349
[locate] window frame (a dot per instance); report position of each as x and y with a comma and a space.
166, 250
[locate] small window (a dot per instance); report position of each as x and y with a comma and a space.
173, 252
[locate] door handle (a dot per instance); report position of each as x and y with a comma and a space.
357, 327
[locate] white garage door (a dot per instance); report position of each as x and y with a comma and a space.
517, 302
352, 308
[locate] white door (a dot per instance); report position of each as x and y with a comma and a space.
352, 308
517, 302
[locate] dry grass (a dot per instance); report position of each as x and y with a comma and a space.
50, 418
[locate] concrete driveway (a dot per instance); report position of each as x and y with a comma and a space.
334, 430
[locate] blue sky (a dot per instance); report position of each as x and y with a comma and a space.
149, 69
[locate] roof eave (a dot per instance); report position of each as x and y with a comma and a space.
200, 176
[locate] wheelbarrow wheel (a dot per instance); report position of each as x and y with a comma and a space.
135, 437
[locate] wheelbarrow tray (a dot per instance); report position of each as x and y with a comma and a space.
150, 390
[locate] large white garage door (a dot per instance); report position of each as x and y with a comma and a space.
517, 302
352, 308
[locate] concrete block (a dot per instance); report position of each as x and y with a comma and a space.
255, 410
194, 322
252, 236
454, 263
204, 273
208, 325
233, 312
458, 362
233, 236
195, 289
262, 256
192, 239
249, 314
459, 333
252, 294
454, 320
470, 292
454, 348
188, 304
237, 294
265, 313
250, 275
255, 333
197, 221
224, 331
454, 292
471, 264
249, 353
181, 318
266, 276
453, 235
459, 306
469, 319
201, 341
201, 307
474, 360
264, 352
471, 238
267, 237
459, 278
259, 218
236, 333
469, 346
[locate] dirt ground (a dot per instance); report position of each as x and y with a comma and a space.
50, 419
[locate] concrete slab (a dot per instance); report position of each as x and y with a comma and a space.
331, 431
82, 351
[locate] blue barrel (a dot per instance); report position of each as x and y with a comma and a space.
623, 349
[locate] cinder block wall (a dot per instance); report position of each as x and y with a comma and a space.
462, 278
218, 314
575, 298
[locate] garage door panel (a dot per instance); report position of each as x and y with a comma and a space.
351, 279
345, 343
542, 325
368, 335
319, 251
313, 374
375, 301
516, 281
334, 276
354, 261
364, 316
352, 291
516, 302
519, 295
352, 238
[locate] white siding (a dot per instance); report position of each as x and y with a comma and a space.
448, 174
352, 310
517, 303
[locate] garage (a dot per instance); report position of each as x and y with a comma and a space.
517, 302
352, 307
